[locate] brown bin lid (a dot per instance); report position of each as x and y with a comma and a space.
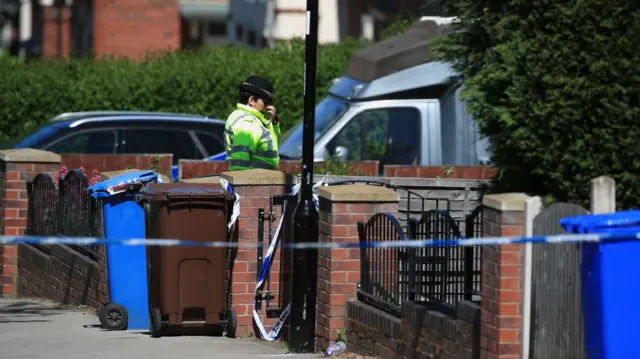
168, 191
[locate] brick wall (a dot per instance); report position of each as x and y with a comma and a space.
418, 334
128, 28
15, 219
133, 27
63, 275
255, 188
340, 209
102, 286
461, 172
503, 216
194, 168
364, 168
50, 31
17, 167
104, 163
1, 271
8, 269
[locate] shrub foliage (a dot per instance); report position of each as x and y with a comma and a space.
557, 85
201, 82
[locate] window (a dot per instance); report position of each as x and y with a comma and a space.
239, 32
263, 43
94, 142
388, 135
212, 144
194, 29
217, 29
252, 38
178, 143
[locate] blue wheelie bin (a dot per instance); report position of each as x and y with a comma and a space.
126, 265
610, 274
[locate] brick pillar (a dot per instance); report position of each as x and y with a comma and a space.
16, 168
50, 31
341, 208
255, 188
503, 216
133, 27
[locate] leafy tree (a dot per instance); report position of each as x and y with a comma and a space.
556, 85
397, 26
399, 23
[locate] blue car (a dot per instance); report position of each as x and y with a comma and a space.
185, 136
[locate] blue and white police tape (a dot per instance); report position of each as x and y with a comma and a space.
264, 273
235, 213
613, 237
268, 259
266, 268
314, 189
236, 203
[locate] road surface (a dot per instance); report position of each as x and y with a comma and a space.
43, 330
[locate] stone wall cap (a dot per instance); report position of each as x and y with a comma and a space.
30, 155
209, 179
255, 177
505, 201
358, 193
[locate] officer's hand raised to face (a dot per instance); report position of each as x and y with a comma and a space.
271, 110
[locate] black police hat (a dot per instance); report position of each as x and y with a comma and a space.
258, 86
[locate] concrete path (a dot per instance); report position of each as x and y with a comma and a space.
42, 330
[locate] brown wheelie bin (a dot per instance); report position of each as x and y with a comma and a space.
187, 283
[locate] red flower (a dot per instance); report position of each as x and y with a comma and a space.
63, 171
95, 177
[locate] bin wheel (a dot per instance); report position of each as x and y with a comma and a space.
232, 321
114, 317
156, 323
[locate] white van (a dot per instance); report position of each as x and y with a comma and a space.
397, 106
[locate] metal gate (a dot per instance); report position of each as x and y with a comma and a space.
436, 274
556, 304
283, 256
69, 212
42, 209
381, 279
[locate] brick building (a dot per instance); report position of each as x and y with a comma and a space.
259, 23
47, 28
129, 28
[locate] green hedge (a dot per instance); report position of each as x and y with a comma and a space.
555, 83
201, 82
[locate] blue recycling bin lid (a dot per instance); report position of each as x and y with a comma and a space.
609, 222
122, 183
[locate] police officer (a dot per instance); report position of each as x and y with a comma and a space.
252, 132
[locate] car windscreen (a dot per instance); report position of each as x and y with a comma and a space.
34, 138
328, 111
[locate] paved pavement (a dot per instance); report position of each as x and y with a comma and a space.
42, 330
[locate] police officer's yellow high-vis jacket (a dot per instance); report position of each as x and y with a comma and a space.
251, 140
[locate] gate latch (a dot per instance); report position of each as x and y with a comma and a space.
268, 216
263, 296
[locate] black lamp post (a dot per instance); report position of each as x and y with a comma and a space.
305, 262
